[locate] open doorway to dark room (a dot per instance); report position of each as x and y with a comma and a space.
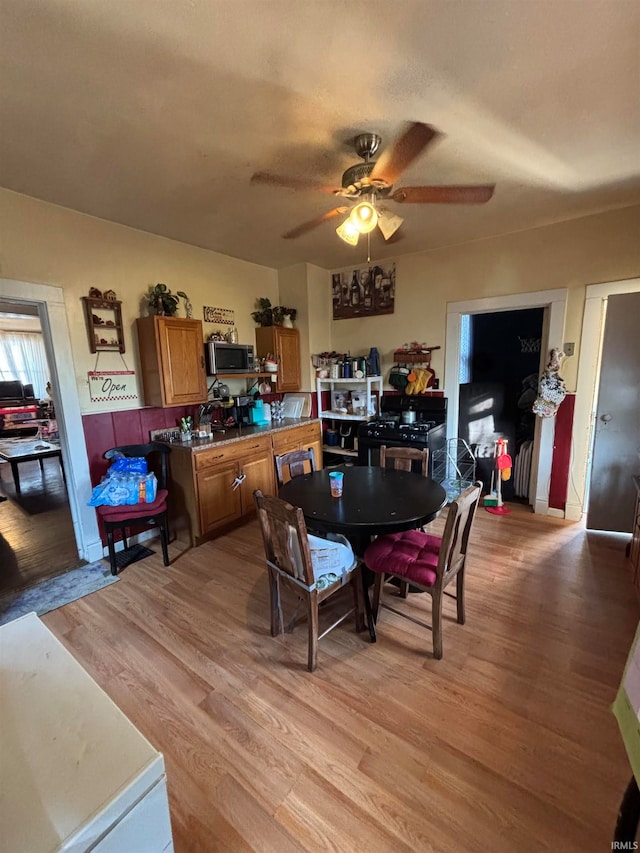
499, 368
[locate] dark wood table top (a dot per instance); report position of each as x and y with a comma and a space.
374, 500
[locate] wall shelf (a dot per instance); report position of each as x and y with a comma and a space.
414, 357
252, 375
104, 327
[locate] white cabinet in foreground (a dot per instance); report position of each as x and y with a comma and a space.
75, 773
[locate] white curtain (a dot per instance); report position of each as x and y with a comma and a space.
23, 358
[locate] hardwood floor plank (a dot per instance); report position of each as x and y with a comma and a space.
507, 743
37, 539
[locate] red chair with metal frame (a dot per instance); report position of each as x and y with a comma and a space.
151, 514
427, 562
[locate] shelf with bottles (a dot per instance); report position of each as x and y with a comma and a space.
368, 385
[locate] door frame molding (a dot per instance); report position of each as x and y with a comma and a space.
55, 331
556, 303
595, 309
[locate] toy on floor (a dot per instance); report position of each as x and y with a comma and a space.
493, 502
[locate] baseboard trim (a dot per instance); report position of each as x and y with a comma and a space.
541, 507
573, 512
555, 513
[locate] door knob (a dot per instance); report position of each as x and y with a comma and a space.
605, 418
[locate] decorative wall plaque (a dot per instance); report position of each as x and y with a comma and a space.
224, 316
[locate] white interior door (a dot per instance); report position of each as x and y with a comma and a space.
616, 449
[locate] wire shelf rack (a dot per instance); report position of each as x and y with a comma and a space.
454, 467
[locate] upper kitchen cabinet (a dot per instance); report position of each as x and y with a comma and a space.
172, 361
284, 344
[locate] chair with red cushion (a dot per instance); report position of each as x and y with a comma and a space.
152, 514
428, 562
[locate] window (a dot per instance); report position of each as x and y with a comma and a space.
23, 358
466, 347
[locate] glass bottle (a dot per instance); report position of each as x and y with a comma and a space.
355, 290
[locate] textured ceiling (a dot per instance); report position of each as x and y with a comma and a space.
155, 113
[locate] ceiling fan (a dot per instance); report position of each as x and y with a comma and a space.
368, 186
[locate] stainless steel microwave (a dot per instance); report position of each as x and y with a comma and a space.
228, 358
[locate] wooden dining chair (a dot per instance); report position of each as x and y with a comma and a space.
289, 562
148, 514
294, 463
405, 459
427, 562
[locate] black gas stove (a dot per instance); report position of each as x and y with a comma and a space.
429, 416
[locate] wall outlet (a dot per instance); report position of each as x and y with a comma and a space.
568, 348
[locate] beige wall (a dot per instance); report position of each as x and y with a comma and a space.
605, 247
304, 287
47, 244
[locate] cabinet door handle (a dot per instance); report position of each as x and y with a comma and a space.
201, 361
239, 480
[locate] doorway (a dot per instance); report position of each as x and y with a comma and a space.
499, 371
37, 539
584, 423
50, 306
553, 303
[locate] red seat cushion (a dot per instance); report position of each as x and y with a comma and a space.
411, 555
132, 511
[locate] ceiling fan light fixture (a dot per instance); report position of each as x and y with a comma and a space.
364, 216
388, 223
348, 232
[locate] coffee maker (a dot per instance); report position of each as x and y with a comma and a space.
241, 411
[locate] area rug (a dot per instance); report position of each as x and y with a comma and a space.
56, 592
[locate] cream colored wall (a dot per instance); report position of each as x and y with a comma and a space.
303, 287
605, 247
47, 244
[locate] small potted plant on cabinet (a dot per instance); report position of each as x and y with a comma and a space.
164, 302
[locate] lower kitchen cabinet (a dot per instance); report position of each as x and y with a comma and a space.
219, 503
202, 497
300, 438
227, 478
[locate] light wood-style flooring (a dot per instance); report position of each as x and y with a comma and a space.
507, 744
36, 530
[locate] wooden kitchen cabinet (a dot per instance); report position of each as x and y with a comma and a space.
172, 361
205, 500
202, 500
284, 344
219, 504
300, 438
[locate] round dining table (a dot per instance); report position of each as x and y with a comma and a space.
374, 501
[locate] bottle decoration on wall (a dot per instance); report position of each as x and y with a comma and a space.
364, 292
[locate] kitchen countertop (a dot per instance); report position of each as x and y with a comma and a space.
198, 445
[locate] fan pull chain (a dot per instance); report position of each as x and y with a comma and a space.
369, 248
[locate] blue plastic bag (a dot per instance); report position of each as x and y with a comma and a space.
129, 465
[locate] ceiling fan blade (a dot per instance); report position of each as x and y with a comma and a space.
478, 194
290, 183
313, 223
404, 151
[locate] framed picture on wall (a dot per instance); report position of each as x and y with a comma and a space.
364, 292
